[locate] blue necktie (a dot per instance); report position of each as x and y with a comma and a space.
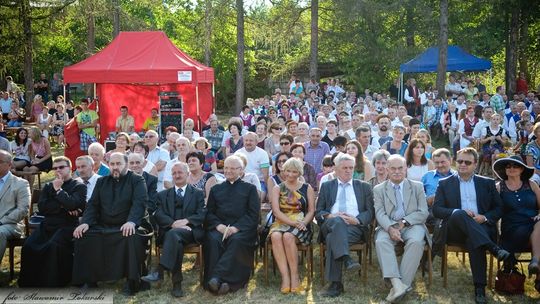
343, 198
400, 208
179, 193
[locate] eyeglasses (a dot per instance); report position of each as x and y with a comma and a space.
466, 162
59, 168
149, 136
281, 161
278, 129
512, 166
134, 162
284, 143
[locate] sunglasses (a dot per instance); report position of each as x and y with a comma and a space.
284, 143
59, 168
281, 161
466, 162
278, 129
512, 166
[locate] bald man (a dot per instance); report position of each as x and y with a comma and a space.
180, 214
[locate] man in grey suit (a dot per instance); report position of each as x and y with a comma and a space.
14, 202
401, 211
180, 214
344, 213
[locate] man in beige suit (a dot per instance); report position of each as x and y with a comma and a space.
14, 202
401, 211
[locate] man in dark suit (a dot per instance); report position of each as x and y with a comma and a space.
469, 206
401, 212
344, 213
180, 214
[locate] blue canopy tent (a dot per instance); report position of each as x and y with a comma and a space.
457, 60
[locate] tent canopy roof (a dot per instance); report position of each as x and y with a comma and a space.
458, 60
139, 57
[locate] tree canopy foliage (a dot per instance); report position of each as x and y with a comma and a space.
362, 41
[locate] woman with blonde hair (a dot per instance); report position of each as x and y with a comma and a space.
40, 154
293, 206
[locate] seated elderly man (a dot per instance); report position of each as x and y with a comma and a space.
14, 202
180, 215
401, 211
344, 213
110, 243
231, 230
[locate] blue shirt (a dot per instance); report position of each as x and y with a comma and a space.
468, 194
431, 181
103, 170
3, 181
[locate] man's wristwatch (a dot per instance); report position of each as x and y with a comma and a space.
405, 223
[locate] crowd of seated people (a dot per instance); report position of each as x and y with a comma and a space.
329, 157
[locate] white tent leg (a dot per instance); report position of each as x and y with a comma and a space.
198, 110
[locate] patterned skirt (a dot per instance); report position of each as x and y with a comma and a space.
304, 237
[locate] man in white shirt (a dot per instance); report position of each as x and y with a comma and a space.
258, 161
460, 103
482, 124
156, 155
84, 166
453, 87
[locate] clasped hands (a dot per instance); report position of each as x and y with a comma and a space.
479, 218
127, 229
349, 219
226, 232
181, 224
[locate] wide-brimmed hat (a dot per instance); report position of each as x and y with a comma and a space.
499, 167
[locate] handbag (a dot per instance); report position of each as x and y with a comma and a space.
512, 282
263, 234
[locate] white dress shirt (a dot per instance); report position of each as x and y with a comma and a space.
352, 205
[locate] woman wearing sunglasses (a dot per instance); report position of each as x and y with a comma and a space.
520, 230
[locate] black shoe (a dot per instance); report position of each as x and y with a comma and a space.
214, 284
499, 253
350, 264
144, 286
128, 290
480, 295
334, 290
90, 285
223, 289
177, 290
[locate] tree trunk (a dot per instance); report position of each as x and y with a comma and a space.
314, 44
409, 16
208, 32
116, 17
524, 43
511, 49
28, 49
90, 40
239, 56
443, 47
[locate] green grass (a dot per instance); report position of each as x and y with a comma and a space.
374, 291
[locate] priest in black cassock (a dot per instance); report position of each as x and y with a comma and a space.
180, 215
47, 254
231, 230
111, 243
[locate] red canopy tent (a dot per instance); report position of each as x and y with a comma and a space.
134, 68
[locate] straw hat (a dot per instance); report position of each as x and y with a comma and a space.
499, 167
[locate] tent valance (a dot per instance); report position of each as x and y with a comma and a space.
458, 60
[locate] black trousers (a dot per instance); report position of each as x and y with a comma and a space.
338, 236
462, 229
172, 254
230, 260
